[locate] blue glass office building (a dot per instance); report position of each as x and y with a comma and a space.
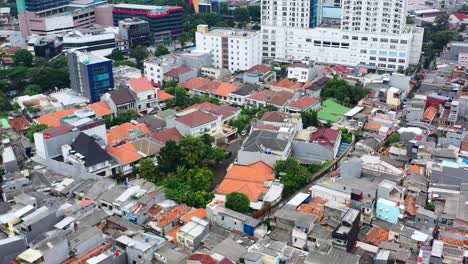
90, 75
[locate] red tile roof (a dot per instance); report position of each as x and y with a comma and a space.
140, 85
53, 119
195, 83
280, 98
225, 89
248, 180
430, 113
196, 119
126, 153
286, 83
461, 16
199, 212
20, 124
304, 103
262, 96
203, 259
120, 133
172, 215
100, 108
176, 72
167, 134
163, 96
326, 137
259, 68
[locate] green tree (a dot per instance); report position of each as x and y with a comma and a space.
161, 50
169, 158
293, 175
5, 104
309, 119
32, 89
184, 38
122, 117
35, 129
409, 20
201, 179
441, 22
238, 202
241, 15
148, 170
342, 91
23, 58
393, 138
224, 9
117, 55
140, 53
254, 12
192, 151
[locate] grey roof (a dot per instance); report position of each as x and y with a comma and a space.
92, 152
94, 218
260, 140
122, 96
252, 256
96, 190
370, 142
246, 89
335, 256
449, 176
112, 194
230, 249
172, 254
444, 153
153, 122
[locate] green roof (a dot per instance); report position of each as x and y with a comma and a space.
331, 111
4, 123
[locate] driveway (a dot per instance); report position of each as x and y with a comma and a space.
220, 170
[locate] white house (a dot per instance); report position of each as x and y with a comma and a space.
196, 123
145, 94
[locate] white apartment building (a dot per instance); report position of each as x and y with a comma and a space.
378, 40
233, 49
301, 72
154, 69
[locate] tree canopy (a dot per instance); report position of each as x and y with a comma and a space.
238, 202
117, 55
393, 138
139, 53
161, 50
35, 129
342, 91
293, 175
309, 119
23, 58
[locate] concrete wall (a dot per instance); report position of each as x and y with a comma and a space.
247, 158
52, 147
230, 222
45, 224
11, 247
87, 245
76, 172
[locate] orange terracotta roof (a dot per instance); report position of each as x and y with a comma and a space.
53, 119
376, 236
253, 190
414, 168
172, 215
257, 172
304, 103
259, 68
101, 109
373, 126
225, 89
286, 83
163, 96
410, 205
91, 254
140, 85
203, 106
173, 235
126, 153
195, 83
315, 207
430, 113
199, 212
119, 133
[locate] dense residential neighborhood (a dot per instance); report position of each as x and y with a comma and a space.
253, 132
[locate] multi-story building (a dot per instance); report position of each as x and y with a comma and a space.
95, 40
155, 68
233, 49
90, 75
372, 35
50, 17
165, 22
135, 31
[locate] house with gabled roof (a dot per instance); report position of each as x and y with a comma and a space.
145, 94
196, 123
315, 146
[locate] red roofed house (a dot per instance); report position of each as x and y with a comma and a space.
316, 146
259, 74
226, 112
198, 86
250, 180
457, 20
145, 94
180, 74
304, 104
196, 123
166, 135
286, 85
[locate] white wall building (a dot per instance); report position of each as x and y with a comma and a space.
154, 69
233, 49
301, 72
379, 39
